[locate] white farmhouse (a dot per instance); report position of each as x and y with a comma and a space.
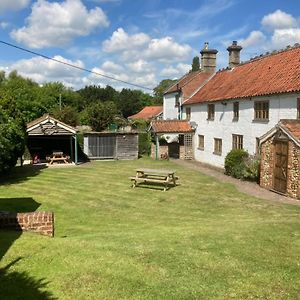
233, 107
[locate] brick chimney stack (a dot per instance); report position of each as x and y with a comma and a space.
208, 59
234, 54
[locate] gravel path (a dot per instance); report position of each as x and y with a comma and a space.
246, 187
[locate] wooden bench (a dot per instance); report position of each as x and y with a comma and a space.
166, 178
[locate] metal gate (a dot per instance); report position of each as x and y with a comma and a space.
102, 146
280, 170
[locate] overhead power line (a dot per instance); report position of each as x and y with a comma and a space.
74, 66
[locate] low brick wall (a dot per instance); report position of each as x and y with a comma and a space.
39, 222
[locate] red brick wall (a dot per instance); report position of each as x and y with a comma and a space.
39, 222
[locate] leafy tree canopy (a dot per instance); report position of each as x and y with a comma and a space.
196, 64
161, 88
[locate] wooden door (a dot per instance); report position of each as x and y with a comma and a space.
280, 168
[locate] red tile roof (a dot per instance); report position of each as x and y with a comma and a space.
265, 75
293, 126
189, 83
147, 113
171, 126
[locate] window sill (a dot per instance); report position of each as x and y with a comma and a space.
263, 121
235, 119
200, 148
210, 119
217, 153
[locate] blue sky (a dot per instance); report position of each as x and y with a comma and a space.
140, 41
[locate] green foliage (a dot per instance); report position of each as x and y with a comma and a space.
12, 140
140, 124
99, 115
67, 114
161, 88
235, 164
144, 143
239, 164
196, 64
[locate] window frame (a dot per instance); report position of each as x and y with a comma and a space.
210, 111
237, 141
218, 146
201, 140
188, 113
236, 111
261, 110
298, 108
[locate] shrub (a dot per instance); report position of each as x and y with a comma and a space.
241, 165
235, 163
144, 143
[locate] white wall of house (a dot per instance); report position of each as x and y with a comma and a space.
223, 126
169, 109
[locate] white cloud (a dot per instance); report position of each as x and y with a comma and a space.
9, 5
140, 66
110, 66
121, 40
165, 49
284, 37
175, 71
57, 24
42, 70
4, 25
278, 20
255, 39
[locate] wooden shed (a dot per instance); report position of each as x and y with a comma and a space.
280, 158
111, 145
47, 135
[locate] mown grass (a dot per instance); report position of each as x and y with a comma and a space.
200, 240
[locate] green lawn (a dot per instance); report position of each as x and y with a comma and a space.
200, 240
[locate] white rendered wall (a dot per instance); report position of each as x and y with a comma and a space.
169, 109
223, 126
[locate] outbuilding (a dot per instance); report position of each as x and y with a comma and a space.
47, 135
280, 158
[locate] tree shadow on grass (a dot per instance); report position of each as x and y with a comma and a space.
18, 285
20, 174
14, 205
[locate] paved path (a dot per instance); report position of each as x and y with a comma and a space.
247, 187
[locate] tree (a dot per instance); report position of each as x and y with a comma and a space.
161, 88
99, 115
66, 114
196, 64
12, 140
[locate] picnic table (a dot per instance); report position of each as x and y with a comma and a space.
58, 157
153, 176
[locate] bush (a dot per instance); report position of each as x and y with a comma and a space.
239, 164
144, 143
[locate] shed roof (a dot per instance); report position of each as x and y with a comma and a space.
47, 125
273, 73
147, 113
171, 126
290, 127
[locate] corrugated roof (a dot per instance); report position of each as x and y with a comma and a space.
270, 74
171, 126
189, 83
147, 113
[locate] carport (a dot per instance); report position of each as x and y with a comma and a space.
47, 135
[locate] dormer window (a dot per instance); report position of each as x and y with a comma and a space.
236, 111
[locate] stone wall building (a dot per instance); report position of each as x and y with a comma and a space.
280, 158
